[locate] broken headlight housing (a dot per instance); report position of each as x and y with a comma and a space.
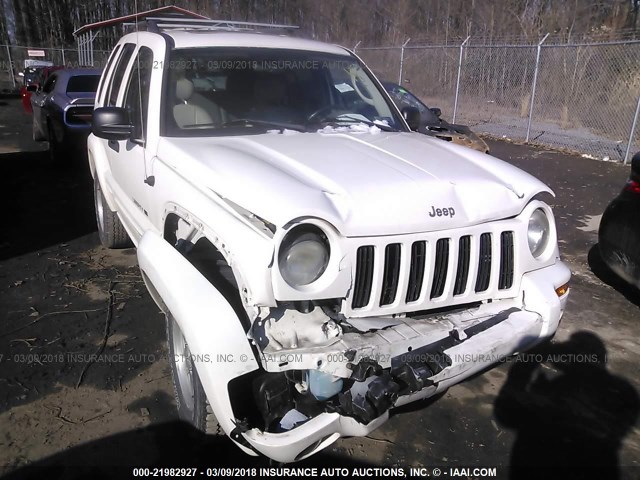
538, 232
304, 255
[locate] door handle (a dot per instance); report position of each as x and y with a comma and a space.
114, 145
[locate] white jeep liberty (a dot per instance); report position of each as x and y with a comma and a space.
317, 261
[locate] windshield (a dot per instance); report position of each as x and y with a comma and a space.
32, 75
222, 91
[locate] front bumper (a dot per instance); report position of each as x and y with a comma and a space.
517, 332
479, 339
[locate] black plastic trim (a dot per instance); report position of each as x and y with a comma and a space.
416, 271
391, 273
440, 268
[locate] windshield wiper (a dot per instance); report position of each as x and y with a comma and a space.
355, 119
249, 122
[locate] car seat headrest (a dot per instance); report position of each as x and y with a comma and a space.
184, 89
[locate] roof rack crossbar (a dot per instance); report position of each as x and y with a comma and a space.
155, 24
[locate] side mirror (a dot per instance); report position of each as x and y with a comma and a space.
412, 117
436, 111
33, 87
111, 123
635, 166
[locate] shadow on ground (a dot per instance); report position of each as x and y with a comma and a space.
567, 411
47, 203
171, 444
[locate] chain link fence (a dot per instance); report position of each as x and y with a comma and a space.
12, 62
579, 97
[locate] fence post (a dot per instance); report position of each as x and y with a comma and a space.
402, 60
633, 130
91, 47
81, 61
455, 102
63, 62
533, 88
10, 67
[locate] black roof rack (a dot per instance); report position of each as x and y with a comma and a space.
158, 24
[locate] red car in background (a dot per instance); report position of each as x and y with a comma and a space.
34, 76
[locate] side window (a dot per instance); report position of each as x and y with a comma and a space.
113, 56
118, 74
49, 84
137, 96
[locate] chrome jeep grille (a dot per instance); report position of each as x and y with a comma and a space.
418, 273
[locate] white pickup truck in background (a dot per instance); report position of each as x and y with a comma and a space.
318, 262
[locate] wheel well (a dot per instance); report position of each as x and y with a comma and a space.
171, 228
211, 263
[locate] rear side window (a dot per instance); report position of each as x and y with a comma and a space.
83, 83
118, 74
112, 57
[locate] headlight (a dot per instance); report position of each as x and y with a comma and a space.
538, 233
304, 255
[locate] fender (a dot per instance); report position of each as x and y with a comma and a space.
247, 250
99, 165
208, 322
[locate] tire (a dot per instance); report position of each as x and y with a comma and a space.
36, 137
110, 228
618, 239
57, 150
192, 403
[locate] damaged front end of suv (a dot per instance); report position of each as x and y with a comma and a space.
356, 325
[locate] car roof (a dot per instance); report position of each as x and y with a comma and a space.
204, 38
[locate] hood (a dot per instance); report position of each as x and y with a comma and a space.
364, 183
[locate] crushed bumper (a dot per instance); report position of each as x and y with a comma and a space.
453, 347
495, 338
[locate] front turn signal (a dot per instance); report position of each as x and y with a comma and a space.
560, 291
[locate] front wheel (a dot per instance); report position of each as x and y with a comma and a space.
191, 400
110, 228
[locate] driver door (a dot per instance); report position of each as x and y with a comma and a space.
128, 158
